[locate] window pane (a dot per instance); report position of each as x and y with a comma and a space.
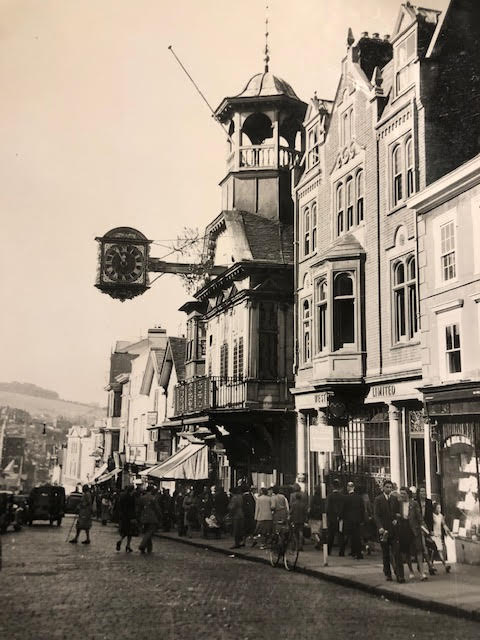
400, 313
343, 285
399, 273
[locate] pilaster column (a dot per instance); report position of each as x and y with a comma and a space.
395, 420
302, 453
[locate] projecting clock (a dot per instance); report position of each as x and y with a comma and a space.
123, 263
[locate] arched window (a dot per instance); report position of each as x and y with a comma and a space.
314, 227
306, 330
339, 208
306, 231
321, 314
359, 193
410, 167
343, 310
405, 299
397, 175
349, 198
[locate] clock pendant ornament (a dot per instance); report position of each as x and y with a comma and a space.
123, 263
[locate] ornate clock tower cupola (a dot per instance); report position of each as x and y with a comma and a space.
264, 123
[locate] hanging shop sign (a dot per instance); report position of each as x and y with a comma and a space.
321, 438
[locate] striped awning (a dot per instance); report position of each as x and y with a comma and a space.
189, 463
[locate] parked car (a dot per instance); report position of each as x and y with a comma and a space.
10, 512
46, 503
72, 502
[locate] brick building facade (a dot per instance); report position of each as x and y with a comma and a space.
358, 363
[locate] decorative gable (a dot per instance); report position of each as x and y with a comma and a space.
350, 154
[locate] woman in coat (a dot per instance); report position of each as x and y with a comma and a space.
127, 518
84, 520
235, 508
409, 524
190, 512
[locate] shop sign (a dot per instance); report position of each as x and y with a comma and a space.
383, 391
151, 418
321, 399
321, 438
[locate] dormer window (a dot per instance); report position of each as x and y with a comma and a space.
313, 147
405, 53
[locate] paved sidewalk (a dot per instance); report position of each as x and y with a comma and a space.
457, 593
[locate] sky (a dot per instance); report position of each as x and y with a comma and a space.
100, 128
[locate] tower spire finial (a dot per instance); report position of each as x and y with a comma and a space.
267, 52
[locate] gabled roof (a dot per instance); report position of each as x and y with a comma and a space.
347, 246
409, 13
152, 367
174, 358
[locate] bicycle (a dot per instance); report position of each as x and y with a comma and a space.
283, 544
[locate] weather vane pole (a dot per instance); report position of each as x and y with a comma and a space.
267, 54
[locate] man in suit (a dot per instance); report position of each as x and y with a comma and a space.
334, 508
384, 508
353, 517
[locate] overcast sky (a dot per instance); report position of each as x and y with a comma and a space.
100, 128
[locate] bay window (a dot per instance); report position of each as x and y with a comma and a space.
343, 310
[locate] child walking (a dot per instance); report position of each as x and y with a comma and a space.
440, 530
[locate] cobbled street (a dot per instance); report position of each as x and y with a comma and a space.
51, 589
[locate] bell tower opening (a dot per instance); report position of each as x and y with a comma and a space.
264, 123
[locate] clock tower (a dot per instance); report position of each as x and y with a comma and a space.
264, 123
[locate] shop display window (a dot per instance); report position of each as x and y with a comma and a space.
460, 480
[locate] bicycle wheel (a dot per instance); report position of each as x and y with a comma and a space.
274, 551
290, 555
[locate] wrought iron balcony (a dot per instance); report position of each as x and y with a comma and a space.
214, 392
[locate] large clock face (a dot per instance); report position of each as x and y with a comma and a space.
123, 263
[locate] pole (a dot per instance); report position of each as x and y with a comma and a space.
323, 489
200, 92
71, 528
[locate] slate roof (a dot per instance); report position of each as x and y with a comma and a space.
267, 240
178, 347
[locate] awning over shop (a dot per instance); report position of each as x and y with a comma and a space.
101, 470
190, 463
108, 476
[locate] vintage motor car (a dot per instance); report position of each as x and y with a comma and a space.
46, 503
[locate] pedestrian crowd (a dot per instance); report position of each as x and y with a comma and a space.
409, 527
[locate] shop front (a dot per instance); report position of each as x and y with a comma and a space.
454, 418
376, 433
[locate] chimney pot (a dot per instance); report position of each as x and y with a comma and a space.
364, 34
375, 35
386, 37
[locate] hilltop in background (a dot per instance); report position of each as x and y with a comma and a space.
46, 403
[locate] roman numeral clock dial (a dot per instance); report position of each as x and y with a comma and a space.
123, 263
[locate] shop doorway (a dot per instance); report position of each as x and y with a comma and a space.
416, 474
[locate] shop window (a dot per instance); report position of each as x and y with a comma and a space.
359, 194
405, 299
452, 348
306, 331
447, 251
321, 315
343, 310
